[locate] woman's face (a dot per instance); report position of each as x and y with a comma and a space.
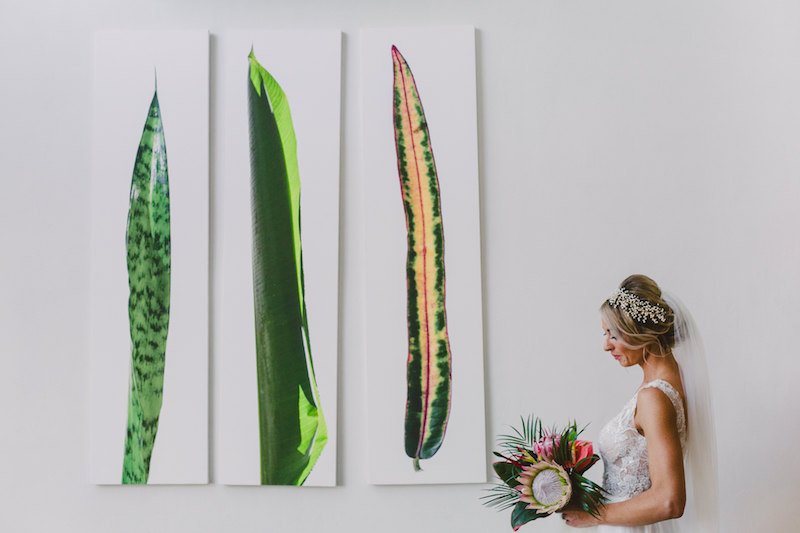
613, 343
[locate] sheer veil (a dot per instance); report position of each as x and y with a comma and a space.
702, 506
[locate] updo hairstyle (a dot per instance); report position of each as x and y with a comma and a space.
657, 338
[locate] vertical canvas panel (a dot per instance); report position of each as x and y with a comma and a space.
125, 66
307, 65
443, 65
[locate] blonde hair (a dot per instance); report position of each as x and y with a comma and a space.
656, 338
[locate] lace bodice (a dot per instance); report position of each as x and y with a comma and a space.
624, 450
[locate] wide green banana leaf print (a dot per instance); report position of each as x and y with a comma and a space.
291, 424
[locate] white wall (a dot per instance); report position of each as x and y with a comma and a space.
600, 123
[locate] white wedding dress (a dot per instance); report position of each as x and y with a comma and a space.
624, 453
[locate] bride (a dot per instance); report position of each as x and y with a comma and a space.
659, 452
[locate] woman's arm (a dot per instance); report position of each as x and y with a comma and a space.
666, 496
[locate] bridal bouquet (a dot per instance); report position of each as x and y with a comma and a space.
542, 472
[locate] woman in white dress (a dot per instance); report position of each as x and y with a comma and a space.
659, 452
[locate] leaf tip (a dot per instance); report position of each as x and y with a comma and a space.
396, 55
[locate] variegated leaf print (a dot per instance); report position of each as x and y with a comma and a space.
429, 357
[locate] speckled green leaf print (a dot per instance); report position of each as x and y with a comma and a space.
148, 250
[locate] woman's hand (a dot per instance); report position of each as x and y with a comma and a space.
574, 517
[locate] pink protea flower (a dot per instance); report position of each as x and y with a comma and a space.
544, 486
545, 448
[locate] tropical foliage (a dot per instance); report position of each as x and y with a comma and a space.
292, 429
541, 471
149, 265
429, 358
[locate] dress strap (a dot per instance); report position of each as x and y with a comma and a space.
659, 383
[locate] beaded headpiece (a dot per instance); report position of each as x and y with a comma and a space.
637, 308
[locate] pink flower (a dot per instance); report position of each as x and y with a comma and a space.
582, 451
546, 446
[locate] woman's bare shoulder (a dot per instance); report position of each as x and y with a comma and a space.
654, 410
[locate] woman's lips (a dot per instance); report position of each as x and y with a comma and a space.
616, 356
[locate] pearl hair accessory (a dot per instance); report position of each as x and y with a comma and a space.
637, 308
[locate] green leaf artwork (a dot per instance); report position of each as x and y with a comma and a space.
292, 427
148, 257
429, 358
